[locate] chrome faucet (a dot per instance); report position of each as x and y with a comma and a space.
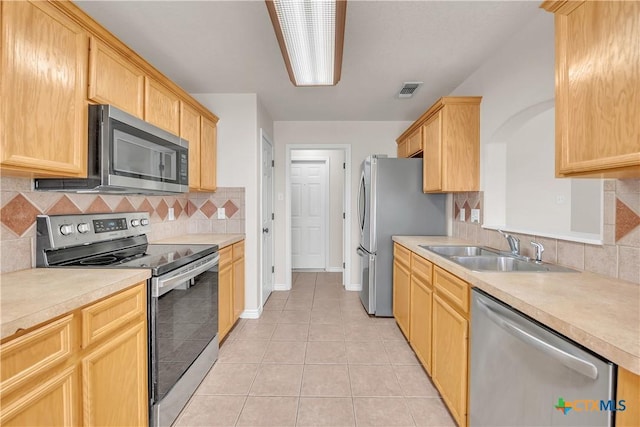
514, 242
538, 248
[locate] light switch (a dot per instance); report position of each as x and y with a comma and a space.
221, 213
475, 215
463, 213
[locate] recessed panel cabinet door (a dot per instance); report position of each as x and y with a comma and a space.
43, 106
432, 154
161, 106
190, 130
208, 155
115, 80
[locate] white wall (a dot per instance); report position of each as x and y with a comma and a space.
238, 166
336, 190
364, 137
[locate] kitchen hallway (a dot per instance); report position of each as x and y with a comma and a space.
315, 358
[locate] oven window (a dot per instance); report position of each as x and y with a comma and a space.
186, 322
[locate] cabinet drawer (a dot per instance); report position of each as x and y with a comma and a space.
104, 317
29, 355
454, 289
226, 256
402, 255
421, 268
238, 250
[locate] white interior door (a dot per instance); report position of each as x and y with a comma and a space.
267, 219
308, 214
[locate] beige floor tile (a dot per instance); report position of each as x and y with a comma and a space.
277, 380
242, 351
321, 352
374, 381
367, 353
329, 292
211, 411
269, 316
235, 331
325, 411
279, 295
274, 304
429, 412
285, 352
400, 353
290, 332
327, 317
295, 316
361, 332
388, 412
325, 381
321, 332
326, 304
390, 332
230, 378
299, 304
254, 330
269, 411
414, 381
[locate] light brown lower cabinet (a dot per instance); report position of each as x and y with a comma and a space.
629, 391
50, 377
401, 287
421, 310
230, 287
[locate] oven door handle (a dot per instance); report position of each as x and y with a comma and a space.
162, 286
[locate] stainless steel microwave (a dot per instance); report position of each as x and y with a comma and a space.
127, 155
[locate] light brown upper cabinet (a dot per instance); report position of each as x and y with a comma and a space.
411, 146
162, 106
208, 154
43, 127
448, 134
597, 88
190, 130
115, 80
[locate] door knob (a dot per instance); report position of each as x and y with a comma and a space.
265, 230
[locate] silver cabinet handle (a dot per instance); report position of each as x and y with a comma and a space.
569, 360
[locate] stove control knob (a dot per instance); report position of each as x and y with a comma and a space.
144, 222
83, 228
135, 222
66, 229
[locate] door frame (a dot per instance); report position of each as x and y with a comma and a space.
326, 162
346, 234
264, 136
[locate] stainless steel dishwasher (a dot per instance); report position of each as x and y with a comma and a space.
523, 374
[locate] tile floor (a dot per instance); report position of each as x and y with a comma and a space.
315, 358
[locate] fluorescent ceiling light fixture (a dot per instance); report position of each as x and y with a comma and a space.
311, 36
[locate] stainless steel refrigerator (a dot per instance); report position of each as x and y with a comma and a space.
391, 202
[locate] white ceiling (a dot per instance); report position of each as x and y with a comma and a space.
230, 47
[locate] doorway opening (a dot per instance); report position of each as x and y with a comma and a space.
317, 214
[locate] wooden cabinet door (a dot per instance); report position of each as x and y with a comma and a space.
208, 155
190, 130
629, 391
420, 320
402, 149
115, 80
52, 401
401, 280
161, 106
415, 142
225, 300
43, 106
432, 154
450, 357
597, 88
238, 280
114, 379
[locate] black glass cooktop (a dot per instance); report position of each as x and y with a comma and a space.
159, 258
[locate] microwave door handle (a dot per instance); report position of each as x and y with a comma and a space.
569, 360
165, 285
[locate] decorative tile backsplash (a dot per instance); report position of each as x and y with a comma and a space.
193, 213
618, 257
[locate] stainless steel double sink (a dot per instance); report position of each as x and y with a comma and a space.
480, 258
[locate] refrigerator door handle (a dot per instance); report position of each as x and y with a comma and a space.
569, 360
361, 209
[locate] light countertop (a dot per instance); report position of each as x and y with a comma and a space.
598, 312
30, 297
221, 240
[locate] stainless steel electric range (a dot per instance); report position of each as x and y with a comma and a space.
182, 295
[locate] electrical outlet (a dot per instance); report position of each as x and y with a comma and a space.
463, 214
475, 215
221, 213
172, 215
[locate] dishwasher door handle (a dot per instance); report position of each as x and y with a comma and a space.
577, 364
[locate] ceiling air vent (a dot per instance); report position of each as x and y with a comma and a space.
408, 89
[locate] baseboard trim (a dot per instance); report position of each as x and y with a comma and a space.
251, 314
334, 269
281, 287
353, 287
